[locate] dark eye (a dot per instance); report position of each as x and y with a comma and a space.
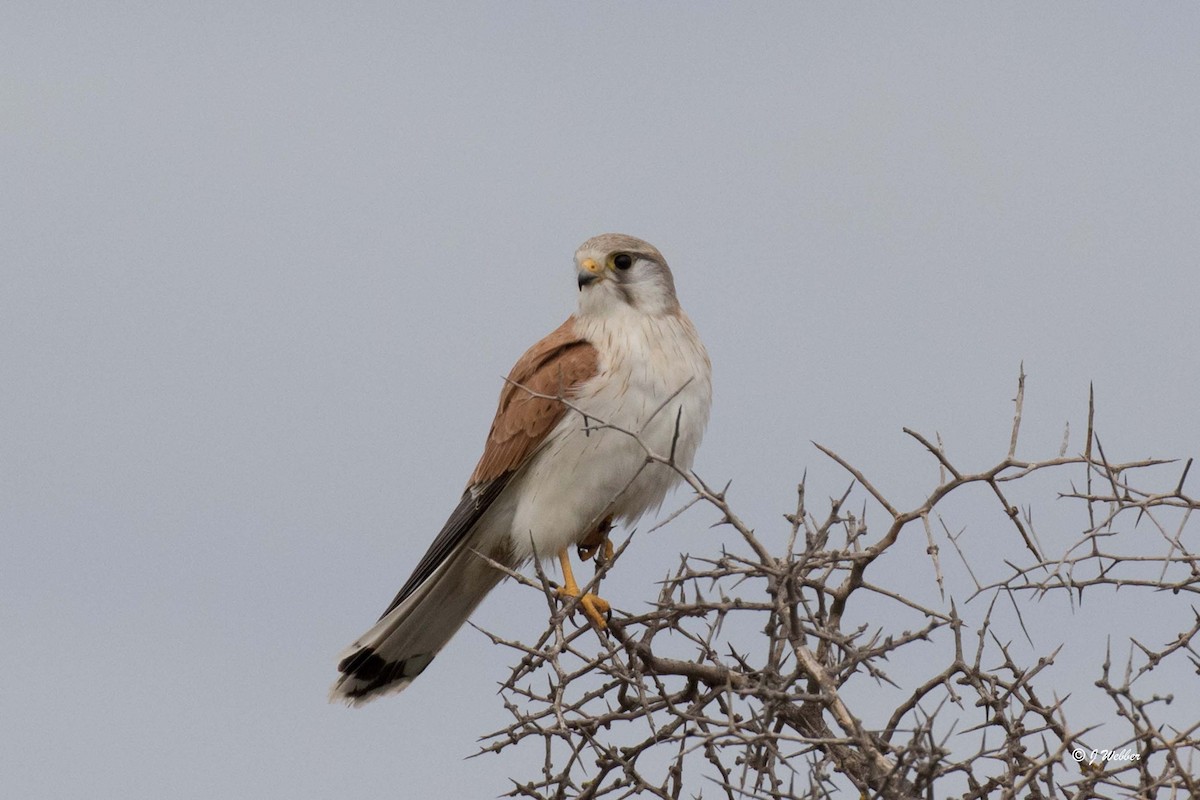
622, 261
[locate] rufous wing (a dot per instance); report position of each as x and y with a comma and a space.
529, 406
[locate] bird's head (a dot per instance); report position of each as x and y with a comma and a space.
618, 273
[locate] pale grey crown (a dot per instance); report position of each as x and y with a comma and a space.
647, 286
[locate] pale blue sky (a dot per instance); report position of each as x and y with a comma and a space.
262, 267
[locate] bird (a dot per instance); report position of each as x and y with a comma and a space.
560, 466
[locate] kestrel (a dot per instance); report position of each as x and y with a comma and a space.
557, 474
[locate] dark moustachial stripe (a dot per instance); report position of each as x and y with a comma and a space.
627, 295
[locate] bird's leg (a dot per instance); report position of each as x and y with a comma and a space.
594, 608
591, 544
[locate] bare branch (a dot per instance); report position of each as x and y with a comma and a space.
747, 675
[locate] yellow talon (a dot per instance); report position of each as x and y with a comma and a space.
595, 608
592, 543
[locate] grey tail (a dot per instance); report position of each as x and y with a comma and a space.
387, 658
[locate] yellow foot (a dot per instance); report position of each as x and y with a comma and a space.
597, 542
602, 552
595, 608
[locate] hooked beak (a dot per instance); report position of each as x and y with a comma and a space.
589, 272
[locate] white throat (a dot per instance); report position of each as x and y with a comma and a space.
608, 298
